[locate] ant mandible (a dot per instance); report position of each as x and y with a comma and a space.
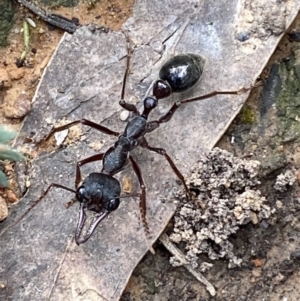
100, 192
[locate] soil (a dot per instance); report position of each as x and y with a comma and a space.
270, 251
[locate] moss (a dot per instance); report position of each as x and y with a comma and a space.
7, 12
247, 115
151, 287
57, 3
288, 100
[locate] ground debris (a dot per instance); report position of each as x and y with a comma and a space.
227, 198
285, 180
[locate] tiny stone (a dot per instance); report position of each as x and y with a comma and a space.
61, 136
264, 224
242, 36
254, 218
256, 272
279, 204
11, 197
124, 115
157, 46
258, 262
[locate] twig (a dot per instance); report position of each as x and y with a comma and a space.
56, 20
165, 240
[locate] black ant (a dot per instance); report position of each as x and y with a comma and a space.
100, 191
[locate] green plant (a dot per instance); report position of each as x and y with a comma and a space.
6, 152
247, 115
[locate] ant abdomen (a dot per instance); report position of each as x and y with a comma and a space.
182, 71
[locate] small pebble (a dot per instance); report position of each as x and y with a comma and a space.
124, 115
258, 262
256, 272
157, 46
11, 197
61, 136
264, 224
127, 185
295, 36
242, 36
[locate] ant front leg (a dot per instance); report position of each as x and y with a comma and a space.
152, 125
163, 152
53, 185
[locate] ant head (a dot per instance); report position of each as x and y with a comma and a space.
99, 193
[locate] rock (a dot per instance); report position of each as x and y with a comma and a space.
3, 209
16, 104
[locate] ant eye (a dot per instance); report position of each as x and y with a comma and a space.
81, 194
113, 204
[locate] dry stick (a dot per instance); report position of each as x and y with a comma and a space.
53, 19
165, 240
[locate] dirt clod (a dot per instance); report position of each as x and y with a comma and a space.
16, 104
285, 180
228, 197
5, 80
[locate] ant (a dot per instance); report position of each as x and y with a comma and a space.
100, 192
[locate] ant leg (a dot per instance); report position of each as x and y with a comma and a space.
143, 208
127, 106
83, 121
152, 125
163, 152
36, 202
78, 178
